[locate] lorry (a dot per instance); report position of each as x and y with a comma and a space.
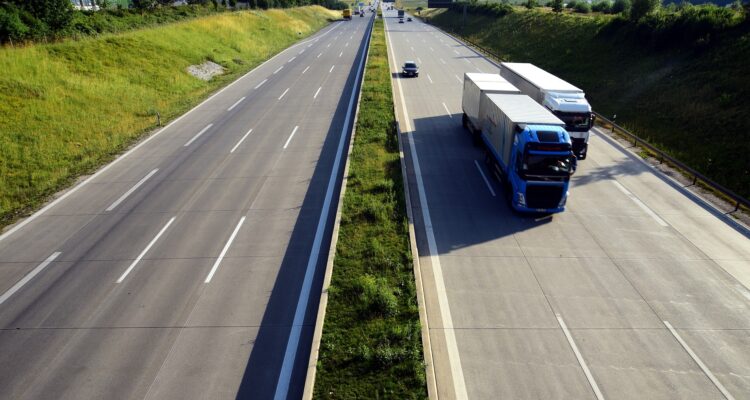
564, 100
401, 13
474, 104
530, 152
347, 13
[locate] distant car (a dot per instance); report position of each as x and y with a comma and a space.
400, 20
410, 68
362, 15
408, 19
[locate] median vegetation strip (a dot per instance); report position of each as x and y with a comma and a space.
67, 108
371, 344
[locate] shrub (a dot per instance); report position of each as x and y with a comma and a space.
557, 5
376, 296
571, 4
604, 6
582, 7
11, 26
620, 7
641, 8
531, 4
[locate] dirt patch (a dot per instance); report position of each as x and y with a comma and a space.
205, 71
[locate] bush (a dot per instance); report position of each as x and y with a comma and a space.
582, 7
620, 7
571, 4
557, 5
11, 26
488, 9
530, 4
376, 296
641, 8
604, 6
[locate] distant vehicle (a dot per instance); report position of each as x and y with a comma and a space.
362, 15
401, 13
356, 12
401, 21
566, 101
408, 19
347, 13
529, 150
410, 68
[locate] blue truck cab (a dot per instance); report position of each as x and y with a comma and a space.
529, 150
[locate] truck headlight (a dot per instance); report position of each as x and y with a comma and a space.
521, 199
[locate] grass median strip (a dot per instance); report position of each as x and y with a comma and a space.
371, 344
67, 108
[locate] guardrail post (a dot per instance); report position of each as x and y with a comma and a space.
737, 206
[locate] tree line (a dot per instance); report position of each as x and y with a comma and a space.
43, 20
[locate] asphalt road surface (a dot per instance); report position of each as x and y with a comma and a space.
192, 266
637, 291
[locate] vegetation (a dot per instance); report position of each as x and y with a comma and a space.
44, 20
371, 345
69, 107
671, 76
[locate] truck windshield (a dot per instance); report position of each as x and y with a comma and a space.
575, 121
410, 65
547, 165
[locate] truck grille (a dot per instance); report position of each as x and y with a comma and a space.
543, 196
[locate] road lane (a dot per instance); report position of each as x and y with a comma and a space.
536, 303
164, 331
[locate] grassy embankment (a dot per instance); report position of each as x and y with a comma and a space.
690, 100
67, 108
371, 345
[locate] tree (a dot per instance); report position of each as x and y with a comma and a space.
144, 4
582, 7
603, 6
571, 4
530, 4
56, 14
620, 6
641, 8
557, 5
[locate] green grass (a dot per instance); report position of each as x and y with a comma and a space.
68, 108
687, 100
371, 345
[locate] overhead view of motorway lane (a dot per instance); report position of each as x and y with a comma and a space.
191, 266
637, 290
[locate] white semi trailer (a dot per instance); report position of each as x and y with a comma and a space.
566, 101
474, 104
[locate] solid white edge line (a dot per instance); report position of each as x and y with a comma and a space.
261, 84
484, 177
291, 136
448, 111
143, 253
640, 204
305, 70
236, 103
198, 135
454, 359
224, 250
282, 387
44, 209
10, 292
315, 96
698, 361
132, 189
240, 142
581, 361
429, 78
278, 69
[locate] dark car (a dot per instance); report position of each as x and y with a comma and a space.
400, 20
408, 19
410, 68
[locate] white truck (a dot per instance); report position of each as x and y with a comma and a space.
474, 104
566, 101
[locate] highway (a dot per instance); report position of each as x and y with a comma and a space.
191, 266
637, 291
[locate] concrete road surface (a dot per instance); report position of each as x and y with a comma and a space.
191, 267
636, 291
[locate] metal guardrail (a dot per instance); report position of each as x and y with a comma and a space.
736, 199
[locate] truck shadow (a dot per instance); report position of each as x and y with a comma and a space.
264, 364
